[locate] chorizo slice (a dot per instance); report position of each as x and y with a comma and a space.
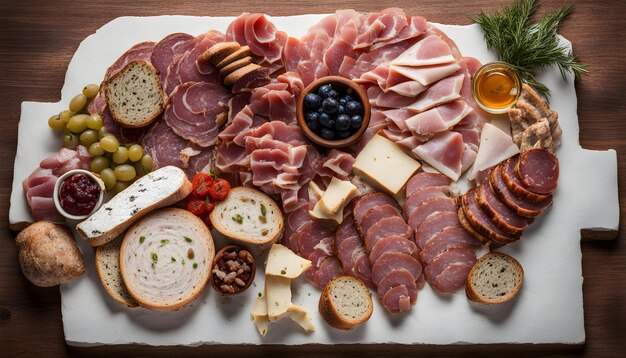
538, 170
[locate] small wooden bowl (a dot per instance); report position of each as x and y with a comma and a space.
339, 82
214, 279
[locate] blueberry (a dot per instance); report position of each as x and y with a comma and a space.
312, 117
324, 90
356, 121
343, 122
343, 101
330, 105
347, 98
344, 134
327, 133
324, 119
333, 94
354, 108
314, 126
312, 101
341, 109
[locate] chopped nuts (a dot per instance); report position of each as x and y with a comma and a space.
233, 270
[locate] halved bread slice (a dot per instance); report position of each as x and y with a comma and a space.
108, 267
248, 216
166, 259
495, 278
134, 95
345, 302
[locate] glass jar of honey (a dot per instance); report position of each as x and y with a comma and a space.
496, 87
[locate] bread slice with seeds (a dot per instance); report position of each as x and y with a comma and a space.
249, 216
108, 267
495, 278
134, 95
345, 302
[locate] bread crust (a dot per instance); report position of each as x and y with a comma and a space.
48, 254
330, 312
216, 53
102, 272
473, 295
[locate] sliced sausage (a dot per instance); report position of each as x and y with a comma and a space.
470, 229
419, 196
397, 299
348, 252
394, 260
520, 206
538, 169
329, 268
448, 238
393, 243
482, 222
504, 218
363, 269
424, 180
428, 207
515, 185
374, 215
387, 227
433, 225
396, 278
368, 201
448, 271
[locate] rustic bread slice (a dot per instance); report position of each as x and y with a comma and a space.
162, 187
494, 278
249, 216
345, 302
244, 51
166, 259
108, 267
216, 53
134, 95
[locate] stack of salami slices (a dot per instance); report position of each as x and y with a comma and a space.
515, 192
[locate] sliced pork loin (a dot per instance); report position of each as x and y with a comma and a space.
503, 217
448, 272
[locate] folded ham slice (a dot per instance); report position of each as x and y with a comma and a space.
444, 152
429, 51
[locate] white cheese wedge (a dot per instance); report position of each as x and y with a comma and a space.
319, 213
385, 165
315, 191
259, 315
338, 193
495, 147
278, 296
302, 317
285, 263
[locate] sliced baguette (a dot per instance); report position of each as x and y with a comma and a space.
108, 267
162, 187
134, 95
494, 278
248, 216
166, 259
345, 302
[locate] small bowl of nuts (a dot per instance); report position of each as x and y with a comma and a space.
233, 270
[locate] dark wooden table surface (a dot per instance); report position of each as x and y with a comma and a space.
38, 38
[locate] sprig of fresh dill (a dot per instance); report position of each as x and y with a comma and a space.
529, 47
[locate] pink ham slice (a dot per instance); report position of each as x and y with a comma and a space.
443, 91
424, 179
538, 170
425, 75
428, 207
294, 82
397, 299
434, 224
395, 278
392, 261
394, 225
448, 271
167, 49
408, 88
368, 201
274, 101
438, 119
418, 197
444, 152
196, 111
431, 50
448, 238
392, 243
387, 99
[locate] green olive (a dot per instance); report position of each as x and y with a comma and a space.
70, 140
125, 172
91, 90
135, 152
146, 161
95, 121
78, 103
121, 155
65, 115
89, 137
109, 143
78, 123
108, 177
119, 186
95, 149
56, 123
99, 163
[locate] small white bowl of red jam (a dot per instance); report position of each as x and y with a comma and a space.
78, 194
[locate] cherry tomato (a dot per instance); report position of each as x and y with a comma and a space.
202, 183
206, 218
220, 189
196, 206
208, 204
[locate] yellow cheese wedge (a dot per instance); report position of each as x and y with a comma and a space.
315, 191
302, 317
259, 315
285, 263
318, 212
338, 193
278, 296
385, 165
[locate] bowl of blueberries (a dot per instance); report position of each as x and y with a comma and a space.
333, 111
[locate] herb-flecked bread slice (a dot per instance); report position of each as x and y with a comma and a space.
108, 267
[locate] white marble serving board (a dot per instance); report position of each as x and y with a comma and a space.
549, 308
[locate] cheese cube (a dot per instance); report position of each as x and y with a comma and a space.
337, 194
278, 296
385, 165
285, 263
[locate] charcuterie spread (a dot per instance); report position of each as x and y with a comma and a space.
358, 162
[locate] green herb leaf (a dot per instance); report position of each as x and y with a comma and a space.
195, 265
164, 242
238, 219
142, 239
263, 210
154, 256
173, 259
187, 239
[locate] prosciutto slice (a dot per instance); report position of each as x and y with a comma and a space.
438, 119
444, 152
429, 51
425, 74
445, 90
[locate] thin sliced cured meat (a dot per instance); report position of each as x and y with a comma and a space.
429, 207
329, 268
538, 169
431, 50
426, 75
392, 243
394, 225
190, 69
397, 299
139, 52
443, 91
336, 163
448, 238
344, 231
363, 270
434, 224
504, 218
444, 152
519, 205
438, 119
448, 271
482, 222
348, 252
376, 214
365, 202
425, 179
168, 48
396, 278
515, 185
418, 197
392, 261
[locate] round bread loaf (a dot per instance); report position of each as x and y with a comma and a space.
48, 254
165, 259
495, 278
345, 302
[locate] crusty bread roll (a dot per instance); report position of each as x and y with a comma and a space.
166, 258
108, 267
162, 187
495, 278
48, 254
345, 302
248, 216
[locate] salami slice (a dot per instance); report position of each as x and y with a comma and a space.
167, 49
538, 169
514, 184
369, 201
481, 221
424, 179
393, 244
394, 225
397, 299
519, 205
394, 260
504, 218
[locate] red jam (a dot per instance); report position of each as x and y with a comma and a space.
79, 194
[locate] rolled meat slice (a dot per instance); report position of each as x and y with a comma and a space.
424, 179
395, 278
515, 185
427, 208
504, 218
519, 205
448, 238
397, 299
448, 271
393, 243
395, 260
482, 222
433, 225
386, 227
538, 169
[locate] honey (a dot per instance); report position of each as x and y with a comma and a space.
496, 87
